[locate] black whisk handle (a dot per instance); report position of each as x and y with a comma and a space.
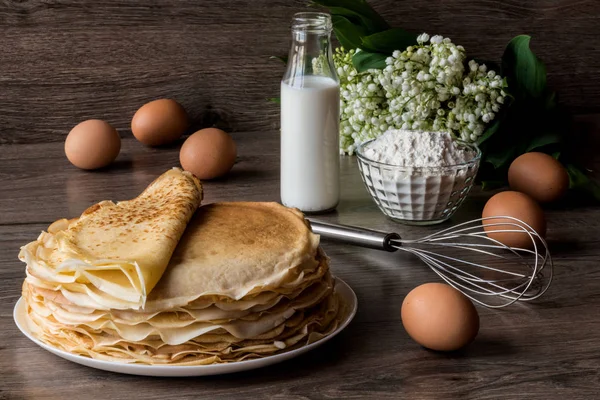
357, 236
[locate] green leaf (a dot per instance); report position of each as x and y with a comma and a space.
370, 26
578, 180
349, 35
545, 139
491, 184
389, 40
275, 100
493, 128
283, 59
357, 11
500, 158
364, 60
525, 72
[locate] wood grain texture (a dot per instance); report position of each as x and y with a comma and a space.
65, 61
549, 349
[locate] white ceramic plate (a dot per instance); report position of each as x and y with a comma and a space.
346, 293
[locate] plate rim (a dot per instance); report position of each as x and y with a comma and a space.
341, 287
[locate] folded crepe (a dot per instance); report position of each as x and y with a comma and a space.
117, 250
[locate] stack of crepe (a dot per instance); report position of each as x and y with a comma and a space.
157, 280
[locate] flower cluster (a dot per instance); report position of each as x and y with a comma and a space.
363, 105
418, 80
425, 87
480, 100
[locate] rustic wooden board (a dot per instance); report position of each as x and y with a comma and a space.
65, 61
549, 349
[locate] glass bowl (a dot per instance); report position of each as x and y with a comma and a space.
418, 195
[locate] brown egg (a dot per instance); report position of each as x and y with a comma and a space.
208, 153
540, 176
439, 317
517, 205
159, 122
92, 144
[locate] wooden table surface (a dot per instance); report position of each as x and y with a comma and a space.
546, 350
65, 61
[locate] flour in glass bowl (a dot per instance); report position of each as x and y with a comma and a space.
417, 149
418, 177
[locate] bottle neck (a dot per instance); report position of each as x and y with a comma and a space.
312, 22
310, 53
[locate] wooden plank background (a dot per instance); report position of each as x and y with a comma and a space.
62, 61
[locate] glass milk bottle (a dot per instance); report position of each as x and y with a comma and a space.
310, 107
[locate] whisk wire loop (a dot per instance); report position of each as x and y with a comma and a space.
520, 277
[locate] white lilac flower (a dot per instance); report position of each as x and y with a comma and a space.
317, 65
481, 98
363, 106
418, 80
424, 87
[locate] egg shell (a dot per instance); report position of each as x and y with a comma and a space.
159, 122
517, 205
92, 144
538, 175
208, 153
439, 317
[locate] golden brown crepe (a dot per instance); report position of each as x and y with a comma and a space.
245, 280
231, 250
120, 250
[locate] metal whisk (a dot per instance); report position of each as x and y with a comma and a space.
520, 277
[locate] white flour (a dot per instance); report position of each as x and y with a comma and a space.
417, 149
411, 193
